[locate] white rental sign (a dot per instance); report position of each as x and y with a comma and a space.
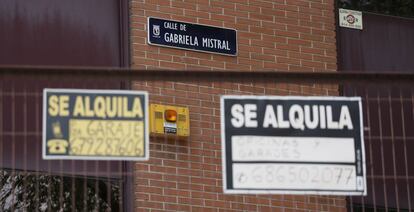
293, 145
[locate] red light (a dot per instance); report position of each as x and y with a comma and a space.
170, 115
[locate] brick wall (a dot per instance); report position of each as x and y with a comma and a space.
288, 35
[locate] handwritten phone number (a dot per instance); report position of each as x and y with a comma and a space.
295, 175
106, 146
106, 138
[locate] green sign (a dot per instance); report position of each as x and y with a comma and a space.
95, 124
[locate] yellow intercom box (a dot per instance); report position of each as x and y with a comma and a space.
169, 120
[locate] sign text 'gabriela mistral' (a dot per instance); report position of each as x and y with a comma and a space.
95, 124
189, 36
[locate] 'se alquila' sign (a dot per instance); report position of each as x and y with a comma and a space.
293, 145
95, 124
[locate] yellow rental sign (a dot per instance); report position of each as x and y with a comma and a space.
95, 124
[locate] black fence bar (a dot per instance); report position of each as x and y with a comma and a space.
388, 100
218, 75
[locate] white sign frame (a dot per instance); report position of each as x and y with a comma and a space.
102, 158
227, 190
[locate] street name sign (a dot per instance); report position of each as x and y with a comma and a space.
195, 37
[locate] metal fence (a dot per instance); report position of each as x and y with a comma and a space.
389, 122
29, 183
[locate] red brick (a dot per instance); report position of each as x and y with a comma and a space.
176, 192
190, 201
147, 204
189, 186
263, 57
204, 209
262, 17
235, 13
162, 198
183, 5
248, 8
172, 10
279, 35
177, 207
217, 204
203, 195
196, 14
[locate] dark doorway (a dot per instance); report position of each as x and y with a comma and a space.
384, 45
59, 33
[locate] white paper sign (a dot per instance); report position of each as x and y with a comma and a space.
350, 19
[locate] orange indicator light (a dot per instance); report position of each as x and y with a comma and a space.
170, 115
